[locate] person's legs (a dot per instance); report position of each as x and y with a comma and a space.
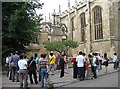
74, 72
114, 65
17, 75
39, 74
13, 74
21, 78
82, 73
7, 71
78, 72
53, 68
10, 74
35, 77
30, 76
43, 73
25, 74
95, 74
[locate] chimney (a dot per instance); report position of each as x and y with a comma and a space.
60, 9
54, 14
69, 5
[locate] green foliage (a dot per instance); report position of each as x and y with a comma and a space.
71, 44
60, 46
19, 25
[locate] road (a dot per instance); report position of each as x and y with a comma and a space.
109, 80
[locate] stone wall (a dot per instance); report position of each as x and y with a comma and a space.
110, 27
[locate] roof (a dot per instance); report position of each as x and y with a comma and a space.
58, 30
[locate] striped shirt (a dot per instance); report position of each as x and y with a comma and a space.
43, 63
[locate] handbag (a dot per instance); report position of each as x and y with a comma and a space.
104, 62
12, 64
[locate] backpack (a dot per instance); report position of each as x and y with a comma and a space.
97, 61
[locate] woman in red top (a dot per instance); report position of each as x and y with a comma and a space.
86, 68
74, 67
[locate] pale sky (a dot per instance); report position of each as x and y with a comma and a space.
50, 5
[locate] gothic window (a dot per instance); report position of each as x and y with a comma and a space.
97, 14
83, 24
73, 27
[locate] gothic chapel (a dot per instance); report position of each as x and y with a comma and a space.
94, 24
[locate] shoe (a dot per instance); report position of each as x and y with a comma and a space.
26, 87
21, 87
36, 83
10, 79
62, 77
52, 74
42, 86
17, 81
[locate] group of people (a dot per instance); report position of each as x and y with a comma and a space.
84, 66
88, 66
19, 67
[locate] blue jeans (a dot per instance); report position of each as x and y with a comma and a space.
95, 74
43, 76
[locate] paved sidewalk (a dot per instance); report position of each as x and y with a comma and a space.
58, 82
68, 78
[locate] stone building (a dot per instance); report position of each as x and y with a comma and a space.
94, 24
53, 29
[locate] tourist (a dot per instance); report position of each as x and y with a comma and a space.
80, 64
105, 62
87, 68
52, 62
90, 67
44, 69
74, 66
23, 72
115, 61
62, 65
94, 65
32, 70
14, 66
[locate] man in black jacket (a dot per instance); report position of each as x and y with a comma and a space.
32, 70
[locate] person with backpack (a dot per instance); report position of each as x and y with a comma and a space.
32, 68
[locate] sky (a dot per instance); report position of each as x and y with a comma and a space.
50, 5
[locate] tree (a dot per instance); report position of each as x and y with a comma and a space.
60, 46
19, 25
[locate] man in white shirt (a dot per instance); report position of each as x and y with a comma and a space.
115, 61
94, 65
80, 64
7, 65
22, 64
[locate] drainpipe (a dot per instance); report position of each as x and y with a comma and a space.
90, 25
